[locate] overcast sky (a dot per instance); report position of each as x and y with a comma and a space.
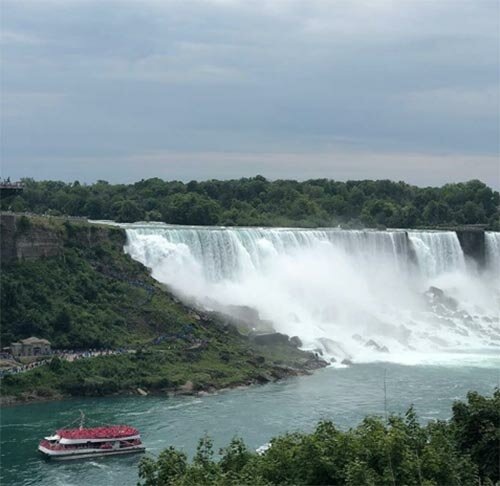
123, 90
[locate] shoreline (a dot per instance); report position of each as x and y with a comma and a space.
281, 374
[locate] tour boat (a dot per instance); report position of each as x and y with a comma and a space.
77, 443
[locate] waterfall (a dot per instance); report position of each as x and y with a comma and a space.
492, 255
364, 295
492, 244
230, 253
437, 252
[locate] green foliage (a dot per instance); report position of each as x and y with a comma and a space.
94, 296
156, 369
170, 467
477, 431
399, 452
23, 225
90, 296
257, 201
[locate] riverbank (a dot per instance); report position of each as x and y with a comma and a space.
44, 389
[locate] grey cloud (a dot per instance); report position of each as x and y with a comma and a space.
112, 79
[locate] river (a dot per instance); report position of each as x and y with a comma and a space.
410, 298
256, 414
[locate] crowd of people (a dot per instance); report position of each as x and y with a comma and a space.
65, 354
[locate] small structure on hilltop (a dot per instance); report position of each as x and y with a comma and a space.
8, 188
31, 346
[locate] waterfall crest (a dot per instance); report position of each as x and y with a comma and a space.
363, 295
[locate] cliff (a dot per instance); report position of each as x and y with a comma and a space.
71, 283
472, 241
34, 237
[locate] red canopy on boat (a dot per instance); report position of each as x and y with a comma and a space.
109, 432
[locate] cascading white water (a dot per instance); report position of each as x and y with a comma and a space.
351, 294
437, 252
492, 246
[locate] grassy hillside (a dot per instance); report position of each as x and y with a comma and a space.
92, 295
226, 362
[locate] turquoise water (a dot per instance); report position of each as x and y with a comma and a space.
256, 414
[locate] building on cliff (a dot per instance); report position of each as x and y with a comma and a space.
31, 346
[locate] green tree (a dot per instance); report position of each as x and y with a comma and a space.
257, 201
167, 470
436, 213
191, 208
473, 213
476, 426
399, 451
62, 322
130, 212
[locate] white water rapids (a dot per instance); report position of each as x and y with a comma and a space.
361, 295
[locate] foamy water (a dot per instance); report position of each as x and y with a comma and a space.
361, 295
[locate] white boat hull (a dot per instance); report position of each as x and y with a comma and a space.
81, 454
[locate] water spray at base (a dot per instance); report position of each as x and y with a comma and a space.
365, 296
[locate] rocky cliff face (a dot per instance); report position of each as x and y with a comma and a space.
23, 240
29, 238
472, 242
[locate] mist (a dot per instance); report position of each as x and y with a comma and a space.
408, 297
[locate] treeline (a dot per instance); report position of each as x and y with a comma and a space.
401, 451
257, 201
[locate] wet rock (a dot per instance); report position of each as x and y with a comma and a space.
271, 338
187, 388
257, 360
374, 345
314, 363
243, 318
244, 312
435, 292
295, 341
264, 378
347, 362
334, 348
438, 297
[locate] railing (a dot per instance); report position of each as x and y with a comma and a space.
64, 355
